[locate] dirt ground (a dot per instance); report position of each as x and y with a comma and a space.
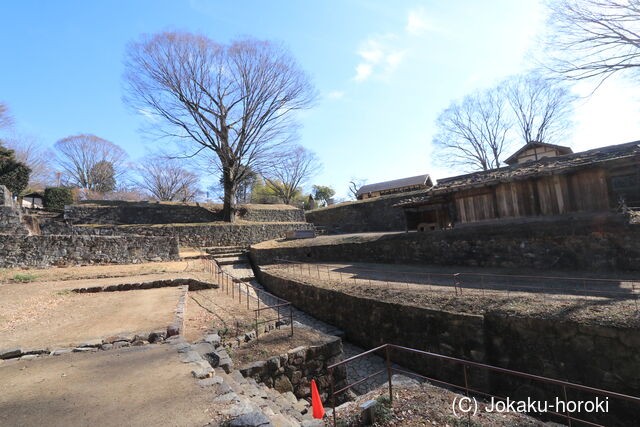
20, 275
214, 310
389, 283
136, 386
427, 405
275, 343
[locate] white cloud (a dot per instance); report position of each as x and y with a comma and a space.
379, 56
335, 94
363, 71
418, 22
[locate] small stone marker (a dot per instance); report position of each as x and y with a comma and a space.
368, 415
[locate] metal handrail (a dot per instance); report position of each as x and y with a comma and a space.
226, 279
632, 293
466, 363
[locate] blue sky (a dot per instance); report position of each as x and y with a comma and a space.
384, 71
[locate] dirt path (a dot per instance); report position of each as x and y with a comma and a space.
137, 386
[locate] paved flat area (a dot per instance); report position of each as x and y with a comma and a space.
48, 314
136, 386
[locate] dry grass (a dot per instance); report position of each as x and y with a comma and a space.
275, 343
213, 310
581, 309
427, 405
9, 275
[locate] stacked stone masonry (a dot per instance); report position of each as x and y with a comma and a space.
116, 213
597, 356
44, 251
194, 235
570, 245
294, 370
377, 214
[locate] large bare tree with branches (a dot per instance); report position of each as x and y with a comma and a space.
166, 180
84, 159
290, 171
473, 133
237, 100
542, 107
30, 151
594, 38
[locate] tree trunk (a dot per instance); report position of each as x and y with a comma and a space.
229, 207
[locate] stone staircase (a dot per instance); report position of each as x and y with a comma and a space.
240, 400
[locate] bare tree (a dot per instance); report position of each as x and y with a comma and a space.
35, 155
473, 133
354, 186
83, 159
5, 118
236, 100
594, 38
542, 107
166, 180
290, 171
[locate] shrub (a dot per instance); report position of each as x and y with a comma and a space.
57, 197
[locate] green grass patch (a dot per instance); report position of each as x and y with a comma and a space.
24, 278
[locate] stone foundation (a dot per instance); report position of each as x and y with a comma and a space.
293, 371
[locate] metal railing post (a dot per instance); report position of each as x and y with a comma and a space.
386, 350
291, 317
333, 396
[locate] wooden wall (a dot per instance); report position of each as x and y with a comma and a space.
584, 191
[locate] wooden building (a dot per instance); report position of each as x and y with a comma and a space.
413, 183
593, 181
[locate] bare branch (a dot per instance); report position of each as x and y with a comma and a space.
237, 101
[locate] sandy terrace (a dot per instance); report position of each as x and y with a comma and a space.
46, 313
19, 275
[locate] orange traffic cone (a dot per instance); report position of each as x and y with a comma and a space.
316, 403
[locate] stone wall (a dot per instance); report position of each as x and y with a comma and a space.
117, 213
596, 356
377, 214
294, 370
138, 213
370, 323
267, 213
600, 246
194, 235
44, 251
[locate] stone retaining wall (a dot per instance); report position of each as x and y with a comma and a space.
294, 370
370, 323
117, 213
44, 251
195, 235
596, 246
596, 356
377, 214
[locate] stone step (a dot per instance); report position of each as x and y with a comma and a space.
221, 249
232, 260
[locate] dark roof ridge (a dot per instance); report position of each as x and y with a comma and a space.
542, 161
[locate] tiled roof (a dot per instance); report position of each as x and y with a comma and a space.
542, 167
513, 158
396, 183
